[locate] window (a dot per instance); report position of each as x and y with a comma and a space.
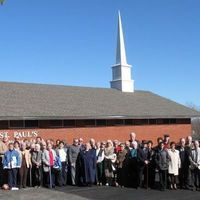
31, 123
128, 122
152, 121
4, 125
69, 123
140, 121
80, 123
89, 122
16, 124
119, 122
159, 121
85, 123
115, 122
101, 122
55, 123
172, 121
183, 121
166, 121
44, 123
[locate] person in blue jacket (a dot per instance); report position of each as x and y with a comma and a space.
11, 162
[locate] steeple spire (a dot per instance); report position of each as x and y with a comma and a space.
121, 71
121, 52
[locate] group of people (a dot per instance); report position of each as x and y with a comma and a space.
132, 163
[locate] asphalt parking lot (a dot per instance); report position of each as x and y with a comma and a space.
84, 193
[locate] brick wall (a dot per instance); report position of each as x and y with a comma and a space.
121, 133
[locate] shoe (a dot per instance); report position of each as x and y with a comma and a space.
107, 184
187, 188
175, 187
14, 188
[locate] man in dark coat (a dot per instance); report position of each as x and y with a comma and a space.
162, 164
88, 165
149, 171
141, 163
137, 163
184, 153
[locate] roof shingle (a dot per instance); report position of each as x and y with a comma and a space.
40, 101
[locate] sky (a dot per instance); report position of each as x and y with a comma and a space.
73, 42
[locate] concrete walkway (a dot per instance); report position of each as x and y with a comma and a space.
106, 193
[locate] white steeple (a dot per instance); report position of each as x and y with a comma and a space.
121, 71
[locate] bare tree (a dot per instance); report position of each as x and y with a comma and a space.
1, 2
195, 121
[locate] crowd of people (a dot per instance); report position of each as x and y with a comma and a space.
133, 163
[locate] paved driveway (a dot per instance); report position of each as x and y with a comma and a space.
83, 193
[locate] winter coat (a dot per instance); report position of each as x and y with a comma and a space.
195, 158
121, 156
11, 159
174, 162
36, 157
45, 160
27, 157
162, 159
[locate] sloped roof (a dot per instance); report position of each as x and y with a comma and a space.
40, 101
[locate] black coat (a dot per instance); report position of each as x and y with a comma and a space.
184, 156
88, 165
141, 157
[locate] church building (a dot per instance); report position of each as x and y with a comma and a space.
66, 112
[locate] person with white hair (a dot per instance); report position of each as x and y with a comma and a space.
88, 165
184, 153
110, 158
133, 138
137, 163
195, 166
93, 143
36, 163
133, 164
189, 141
